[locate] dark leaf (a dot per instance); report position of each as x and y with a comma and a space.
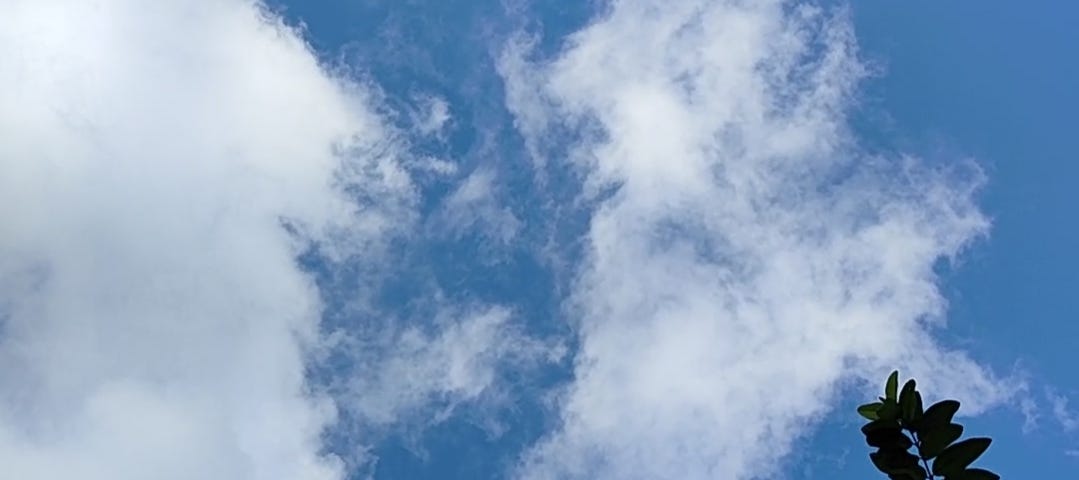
915, 472
936, 440
894, 462
869, 410
891, 386
884, 433
908, 403
888, 438
939, 414
957, 457
889, 410
910, 471
918, 411
880, 425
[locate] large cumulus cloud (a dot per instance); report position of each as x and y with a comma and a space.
161, 165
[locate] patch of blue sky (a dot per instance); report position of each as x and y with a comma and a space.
994, 82
447, 50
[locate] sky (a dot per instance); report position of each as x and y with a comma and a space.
530, 239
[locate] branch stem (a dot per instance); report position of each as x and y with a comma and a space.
925, 461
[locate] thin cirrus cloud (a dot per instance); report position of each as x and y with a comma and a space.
424, 377
162, 164
1064, 416
745, 257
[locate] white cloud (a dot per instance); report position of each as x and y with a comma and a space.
458, 362
154, 319
433, 116
1061, 413
473, 206
1029, 409
750, 258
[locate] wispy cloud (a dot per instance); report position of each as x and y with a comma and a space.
437, 371
1061, 413
432, 116
745, 256
1028, 408
473, 207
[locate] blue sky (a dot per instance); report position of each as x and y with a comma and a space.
530, 239
956, 85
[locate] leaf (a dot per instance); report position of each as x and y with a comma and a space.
885, 434
918, 412
880, 425
956, 458
939, 414
891, 386
908, 402
869, 410
974, 474
908, 390
913, 472
878, 461
889, 410
936, 440
894, 462
889, 439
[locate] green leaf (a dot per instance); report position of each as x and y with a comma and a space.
869, 410
889, 410
974, 474
892, 386
918, 411
908, 390
936, 440
908, 403
939, 415
954, 459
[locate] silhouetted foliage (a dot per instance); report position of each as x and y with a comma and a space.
897, 423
